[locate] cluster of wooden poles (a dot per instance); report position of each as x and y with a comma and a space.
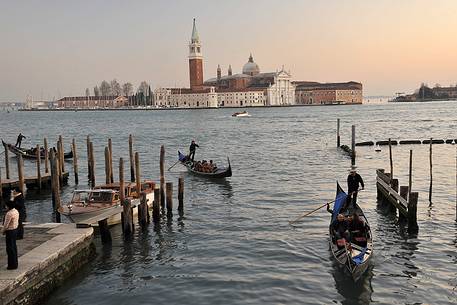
163, 193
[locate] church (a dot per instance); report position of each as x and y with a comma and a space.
249, 88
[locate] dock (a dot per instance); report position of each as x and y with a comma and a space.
31, 182
48, 254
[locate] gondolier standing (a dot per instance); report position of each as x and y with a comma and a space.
20, 137
192, 149
354, 180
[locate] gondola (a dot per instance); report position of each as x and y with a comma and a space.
353, 255
220, 172
30, 153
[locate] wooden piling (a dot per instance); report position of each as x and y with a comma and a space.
7, 162
404, 191
38, 166
169, 187
105, 233
353, 146
181, 194
137, 172
338, 142
55, 186
156, 205
410, 181
413, 228
132, 166
107, 167
75, 160
92, 164
20, 172
89, 174
127, 219
46, 156
431, 176
143, 211
162, 178
59, 168
110, 147
391, 161
61, 156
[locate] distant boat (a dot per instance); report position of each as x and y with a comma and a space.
31, 153
241, 114
377, 148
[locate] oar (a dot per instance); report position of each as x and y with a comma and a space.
317, 209
173, 165
311, 212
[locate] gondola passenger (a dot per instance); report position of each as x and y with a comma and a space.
339, 228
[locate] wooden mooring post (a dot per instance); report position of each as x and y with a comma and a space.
162, 178
143, 211
181, 196
55, 184
338, 142
105, 233
7, 162
89, 174
431, 175
92, 164
132, 166
413, 228
61, 155
353, 146
156, 205
410, 180
46, 155
127, 217
20, 172
107, 167
110, 148
169, 187
391, 160
75, 160
38, 166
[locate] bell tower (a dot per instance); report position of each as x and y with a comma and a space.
195, 60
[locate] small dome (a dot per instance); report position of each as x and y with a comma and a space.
251, 68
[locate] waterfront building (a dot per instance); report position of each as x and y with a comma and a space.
314, 93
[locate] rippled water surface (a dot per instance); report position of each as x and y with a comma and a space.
235, 245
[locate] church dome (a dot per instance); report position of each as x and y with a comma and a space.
251, 68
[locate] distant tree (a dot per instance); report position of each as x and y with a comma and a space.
87, 92
149, 96
96, 91
127, 89
143, 88
115, 87
105, 88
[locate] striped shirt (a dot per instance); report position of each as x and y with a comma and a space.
11, 221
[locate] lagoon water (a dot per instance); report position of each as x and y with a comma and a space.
234, 245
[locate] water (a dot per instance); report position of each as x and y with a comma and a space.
235, 245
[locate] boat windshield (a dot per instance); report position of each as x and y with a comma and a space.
100, 197
80, 197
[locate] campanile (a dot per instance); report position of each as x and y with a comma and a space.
195, 60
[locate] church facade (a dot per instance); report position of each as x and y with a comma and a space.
250, 88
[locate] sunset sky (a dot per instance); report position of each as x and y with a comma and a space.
56, 48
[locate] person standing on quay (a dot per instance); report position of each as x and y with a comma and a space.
10, 225
192, 148
18, 199
354, 180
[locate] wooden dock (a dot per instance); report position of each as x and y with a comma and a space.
32, 181
405, 201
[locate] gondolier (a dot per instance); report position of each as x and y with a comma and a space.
193, 146
354, 180
20, 137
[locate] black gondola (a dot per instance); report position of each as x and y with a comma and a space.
220, 172
353, 255
30, 153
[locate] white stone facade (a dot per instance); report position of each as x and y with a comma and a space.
282, 91
250, 98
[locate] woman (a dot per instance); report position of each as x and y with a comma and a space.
10, 225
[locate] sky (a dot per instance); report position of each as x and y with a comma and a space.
50, 49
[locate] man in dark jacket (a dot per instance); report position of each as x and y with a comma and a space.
192, 148
354, 180
18, 198
20, 137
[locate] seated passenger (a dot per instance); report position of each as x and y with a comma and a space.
339, 228
212, 165
357, 227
